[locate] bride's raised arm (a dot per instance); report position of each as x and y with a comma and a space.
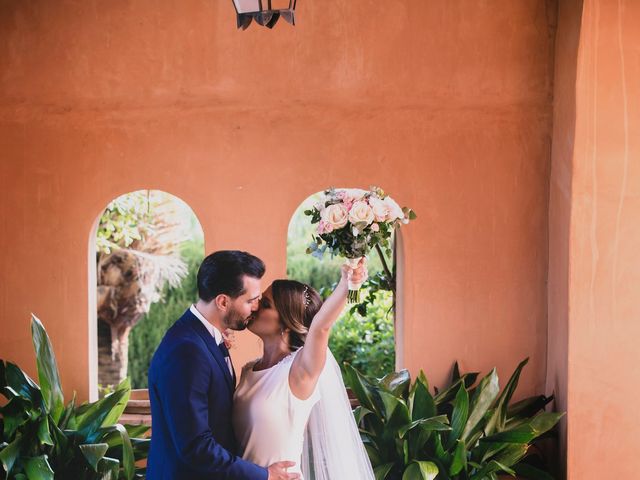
309, 362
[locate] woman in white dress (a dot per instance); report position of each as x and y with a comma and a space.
291, 403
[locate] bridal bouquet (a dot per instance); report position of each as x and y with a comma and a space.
353, 221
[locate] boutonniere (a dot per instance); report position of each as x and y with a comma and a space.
229, 338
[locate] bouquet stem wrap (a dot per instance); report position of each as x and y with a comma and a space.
354, 288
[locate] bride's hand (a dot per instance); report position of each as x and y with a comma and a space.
356, 275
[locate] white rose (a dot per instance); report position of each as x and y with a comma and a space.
394, 209
380, 209
361, 212
353, 194
335, 215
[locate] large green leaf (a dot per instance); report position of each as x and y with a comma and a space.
397, 382
442, 455
127, 450
38, 468
15, 414
68, 419
535, 427
520, 434
358, 413
61, 443
361, 387
47, 370
141, 447
420, 470
528, 407
421, 402
93, 453
498, 418
396, 412
20, 384
109, 469
448, 394
459, 415
491, 467
459, 462
545, 421
512, 454
43, 431
373, 453
382, 471
137, 430
483, 399
105, 411
455, 375
10, 454
437, 423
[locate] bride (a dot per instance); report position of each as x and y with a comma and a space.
291, 403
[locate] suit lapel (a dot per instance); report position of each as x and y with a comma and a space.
210, 342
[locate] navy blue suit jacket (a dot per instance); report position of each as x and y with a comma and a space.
191, 392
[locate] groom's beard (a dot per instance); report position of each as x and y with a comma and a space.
234, 320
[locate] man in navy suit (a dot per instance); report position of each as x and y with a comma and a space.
191, 379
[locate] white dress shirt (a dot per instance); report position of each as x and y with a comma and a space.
215, 333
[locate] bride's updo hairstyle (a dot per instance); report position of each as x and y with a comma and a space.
296, 304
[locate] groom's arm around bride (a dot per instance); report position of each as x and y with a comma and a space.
191, 380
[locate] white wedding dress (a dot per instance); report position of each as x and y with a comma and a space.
319, 434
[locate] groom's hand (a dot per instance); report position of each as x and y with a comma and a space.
278, 471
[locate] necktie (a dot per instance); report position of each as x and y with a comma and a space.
225, 352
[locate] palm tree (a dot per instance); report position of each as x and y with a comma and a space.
139, 239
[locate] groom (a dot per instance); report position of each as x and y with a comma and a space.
191, 379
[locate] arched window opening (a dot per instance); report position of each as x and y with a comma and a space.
148, 246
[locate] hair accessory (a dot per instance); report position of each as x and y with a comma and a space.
307, 297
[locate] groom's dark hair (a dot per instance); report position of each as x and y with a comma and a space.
221, 273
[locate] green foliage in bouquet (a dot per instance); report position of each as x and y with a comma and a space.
41, 437
464, 432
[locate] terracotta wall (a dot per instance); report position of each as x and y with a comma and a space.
560, 202
445, 104
604, 264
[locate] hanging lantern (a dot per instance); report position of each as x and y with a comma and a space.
264, 12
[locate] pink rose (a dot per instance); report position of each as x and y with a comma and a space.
375, 227
380, 209
352, 195
335, 215
394, 209
361, 212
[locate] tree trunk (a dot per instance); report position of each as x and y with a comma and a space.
113, 354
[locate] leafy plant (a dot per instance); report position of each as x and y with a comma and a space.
366, 341
463, 432
41, 436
